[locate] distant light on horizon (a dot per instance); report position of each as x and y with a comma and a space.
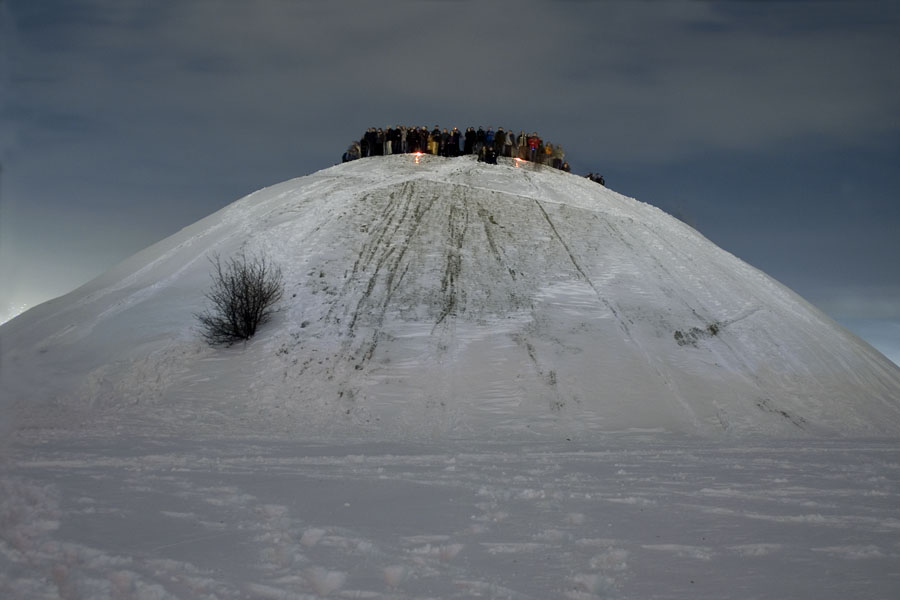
11, 312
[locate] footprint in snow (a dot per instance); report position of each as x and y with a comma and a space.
324, 581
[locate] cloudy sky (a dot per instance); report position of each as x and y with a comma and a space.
773, 127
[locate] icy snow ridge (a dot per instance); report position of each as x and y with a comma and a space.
450, 298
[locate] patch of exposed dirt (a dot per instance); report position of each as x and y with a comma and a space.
693, 335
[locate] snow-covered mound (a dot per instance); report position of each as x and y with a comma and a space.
446, 297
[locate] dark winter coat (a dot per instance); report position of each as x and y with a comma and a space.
395, 141
469, 144
412, 140
371, 141
499, 139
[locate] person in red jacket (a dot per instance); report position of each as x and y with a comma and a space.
533, 142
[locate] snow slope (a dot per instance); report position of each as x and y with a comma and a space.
443, 297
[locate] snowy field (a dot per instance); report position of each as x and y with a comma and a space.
638, 516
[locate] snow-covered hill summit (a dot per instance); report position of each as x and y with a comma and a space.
440, 296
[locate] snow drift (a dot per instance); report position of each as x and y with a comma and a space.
447, 297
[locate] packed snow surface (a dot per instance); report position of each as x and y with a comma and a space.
482, 382
624, 517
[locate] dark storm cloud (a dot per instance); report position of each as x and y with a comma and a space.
693, 74
660, 79
124, 120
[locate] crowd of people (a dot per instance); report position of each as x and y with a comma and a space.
488, 144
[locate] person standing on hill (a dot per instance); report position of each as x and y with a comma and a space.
499, 141
469, 143
379, 142
396, 141
412, 140
454, 142
371, 138
434, 141
558, 156
547, 154
388, 137
533, 142
510, 144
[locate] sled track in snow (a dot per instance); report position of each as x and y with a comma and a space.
457, 224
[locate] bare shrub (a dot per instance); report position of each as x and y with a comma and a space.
242, 297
